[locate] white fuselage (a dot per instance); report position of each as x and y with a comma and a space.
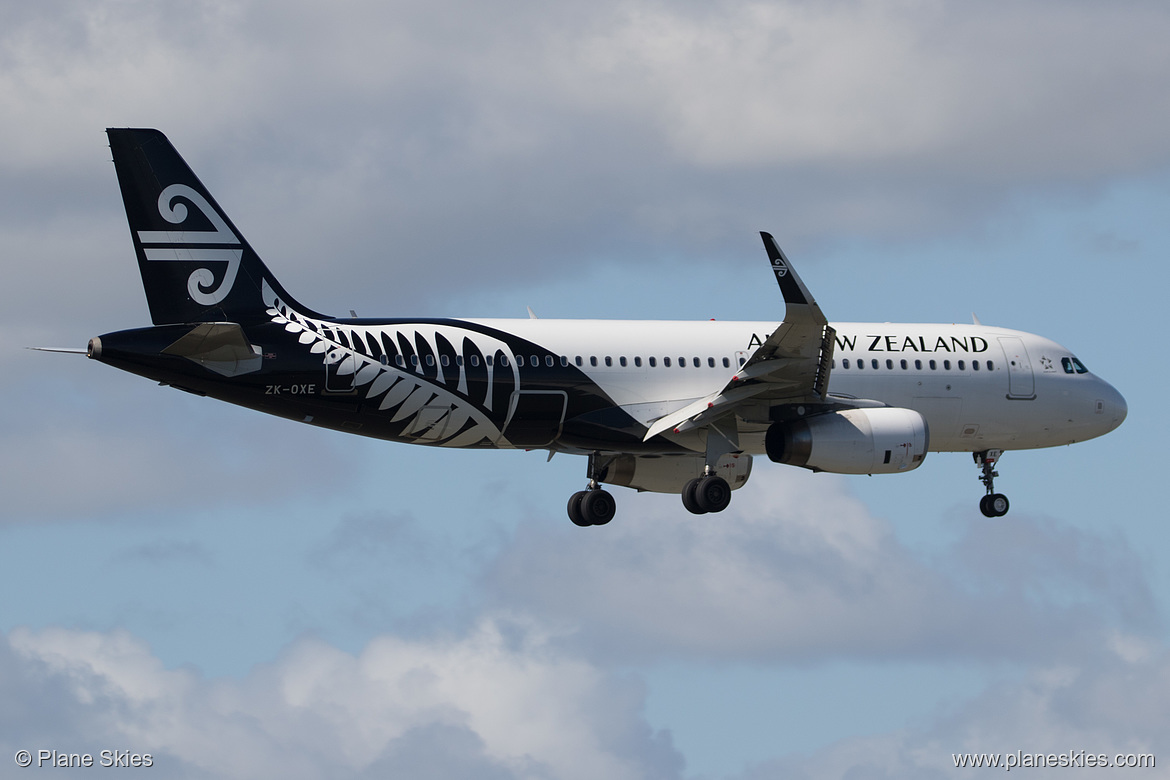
978, 387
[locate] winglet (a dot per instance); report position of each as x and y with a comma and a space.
793, 289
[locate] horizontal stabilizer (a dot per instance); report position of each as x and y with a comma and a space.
221, 347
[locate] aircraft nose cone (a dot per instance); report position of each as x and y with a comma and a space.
1112, 406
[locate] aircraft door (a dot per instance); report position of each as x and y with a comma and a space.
1021, 382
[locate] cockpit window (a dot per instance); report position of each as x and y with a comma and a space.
1072, 365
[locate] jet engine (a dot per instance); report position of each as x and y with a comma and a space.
854, 441
669, 473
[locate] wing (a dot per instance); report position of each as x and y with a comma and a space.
791, 366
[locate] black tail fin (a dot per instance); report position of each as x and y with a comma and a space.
196, 267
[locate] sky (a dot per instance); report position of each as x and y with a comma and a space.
244, 597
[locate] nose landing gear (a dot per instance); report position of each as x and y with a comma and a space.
993, 504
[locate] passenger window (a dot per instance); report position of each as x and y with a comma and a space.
975, 364
430, 360
961, 366
459, 360
682, 362
860, 364
905, 365
401, 361
933, 366
696, 361
609, 361
548, 361
593, 360
564, 360
637, 361
742, 361
487, 359
710, 362
874, 363
889, 363
535, 361
414, 360
726, 363
947, 365
384, 360
917, 365
622, 361
504, 361
845, 363
474, 360
653, 362
666, 362
578, 361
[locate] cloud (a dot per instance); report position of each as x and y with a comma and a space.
499, 702
1114, 703
997, 89
799, 570
76, 445
532, 138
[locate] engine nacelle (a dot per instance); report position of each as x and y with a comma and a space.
853, 441
668, 473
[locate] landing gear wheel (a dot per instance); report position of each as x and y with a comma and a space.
993, 504
575, 508
690, 499
713, 494
598, 507
998, 504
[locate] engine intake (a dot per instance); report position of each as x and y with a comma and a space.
853, 441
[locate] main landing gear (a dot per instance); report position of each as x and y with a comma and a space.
708, 493
593, 506
993, 504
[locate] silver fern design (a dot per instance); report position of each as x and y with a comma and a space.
435, 403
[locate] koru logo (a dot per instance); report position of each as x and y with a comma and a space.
191, 245
779, 267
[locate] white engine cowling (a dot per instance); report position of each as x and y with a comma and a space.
853, 441
668, 473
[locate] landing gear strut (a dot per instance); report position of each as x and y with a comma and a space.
993, 504
710, 492
593, 506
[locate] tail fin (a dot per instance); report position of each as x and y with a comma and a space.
195, 265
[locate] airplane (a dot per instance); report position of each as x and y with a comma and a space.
666, 406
